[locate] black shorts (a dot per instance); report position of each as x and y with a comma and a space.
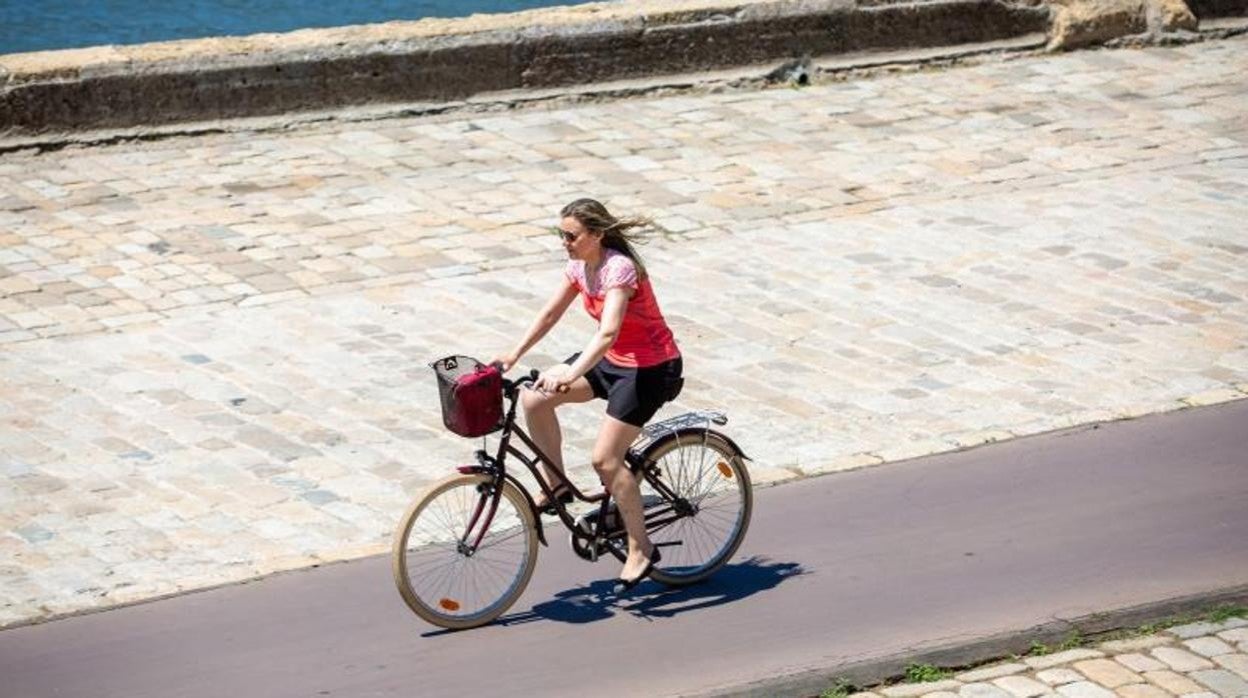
633, 395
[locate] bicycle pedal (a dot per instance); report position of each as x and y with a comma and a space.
668, 543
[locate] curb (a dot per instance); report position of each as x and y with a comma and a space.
949, 444
871, 672
110, 87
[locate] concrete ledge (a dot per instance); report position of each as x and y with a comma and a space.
441, 60
843, 66
872, 672
55, 97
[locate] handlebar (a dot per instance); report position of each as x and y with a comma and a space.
511, 386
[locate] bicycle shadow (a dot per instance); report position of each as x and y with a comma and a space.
650, 599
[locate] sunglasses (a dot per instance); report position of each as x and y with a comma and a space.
565, 235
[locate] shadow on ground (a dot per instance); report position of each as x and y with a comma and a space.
650, 599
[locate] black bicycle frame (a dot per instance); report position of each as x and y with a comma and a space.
495, 466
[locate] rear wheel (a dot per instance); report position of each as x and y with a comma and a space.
710, 513
441, 575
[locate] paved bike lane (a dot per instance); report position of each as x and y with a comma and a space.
214, 347
840, 569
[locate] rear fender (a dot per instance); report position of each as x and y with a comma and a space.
695, 432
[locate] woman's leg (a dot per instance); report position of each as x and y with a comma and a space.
614, 439
543, 424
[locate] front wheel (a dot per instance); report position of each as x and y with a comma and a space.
451, 572
706, 507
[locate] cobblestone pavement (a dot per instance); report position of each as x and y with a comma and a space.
1200, 660
213, 349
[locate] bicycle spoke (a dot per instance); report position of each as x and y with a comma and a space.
446, 521
516, 532
446, 578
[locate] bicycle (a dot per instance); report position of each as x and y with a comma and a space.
466, 548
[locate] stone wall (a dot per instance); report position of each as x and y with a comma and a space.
439, 60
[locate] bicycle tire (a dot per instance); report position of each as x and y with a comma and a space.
432, 572
700, 465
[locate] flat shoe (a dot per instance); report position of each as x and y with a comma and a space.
622, 585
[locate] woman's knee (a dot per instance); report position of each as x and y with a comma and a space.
535, 401
606, 464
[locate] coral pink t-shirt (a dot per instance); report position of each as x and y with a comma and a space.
644, 338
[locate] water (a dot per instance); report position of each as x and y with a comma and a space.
38, 25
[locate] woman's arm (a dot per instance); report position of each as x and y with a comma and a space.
613, 307
546, 319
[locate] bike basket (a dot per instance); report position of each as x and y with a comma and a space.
472, 395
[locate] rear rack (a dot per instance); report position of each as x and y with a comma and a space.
701, 419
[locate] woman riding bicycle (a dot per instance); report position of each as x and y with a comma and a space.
632, 362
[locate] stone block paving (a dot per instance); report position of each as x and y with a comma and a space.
1204, 660
213, 350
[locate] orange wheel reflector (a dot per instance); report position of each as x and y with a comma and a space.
449, 604
723, 468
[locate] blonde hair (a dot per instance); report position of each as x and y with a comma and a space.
617, 233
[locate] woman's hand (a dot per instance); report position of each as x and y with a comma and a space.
504, 362
555, 380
